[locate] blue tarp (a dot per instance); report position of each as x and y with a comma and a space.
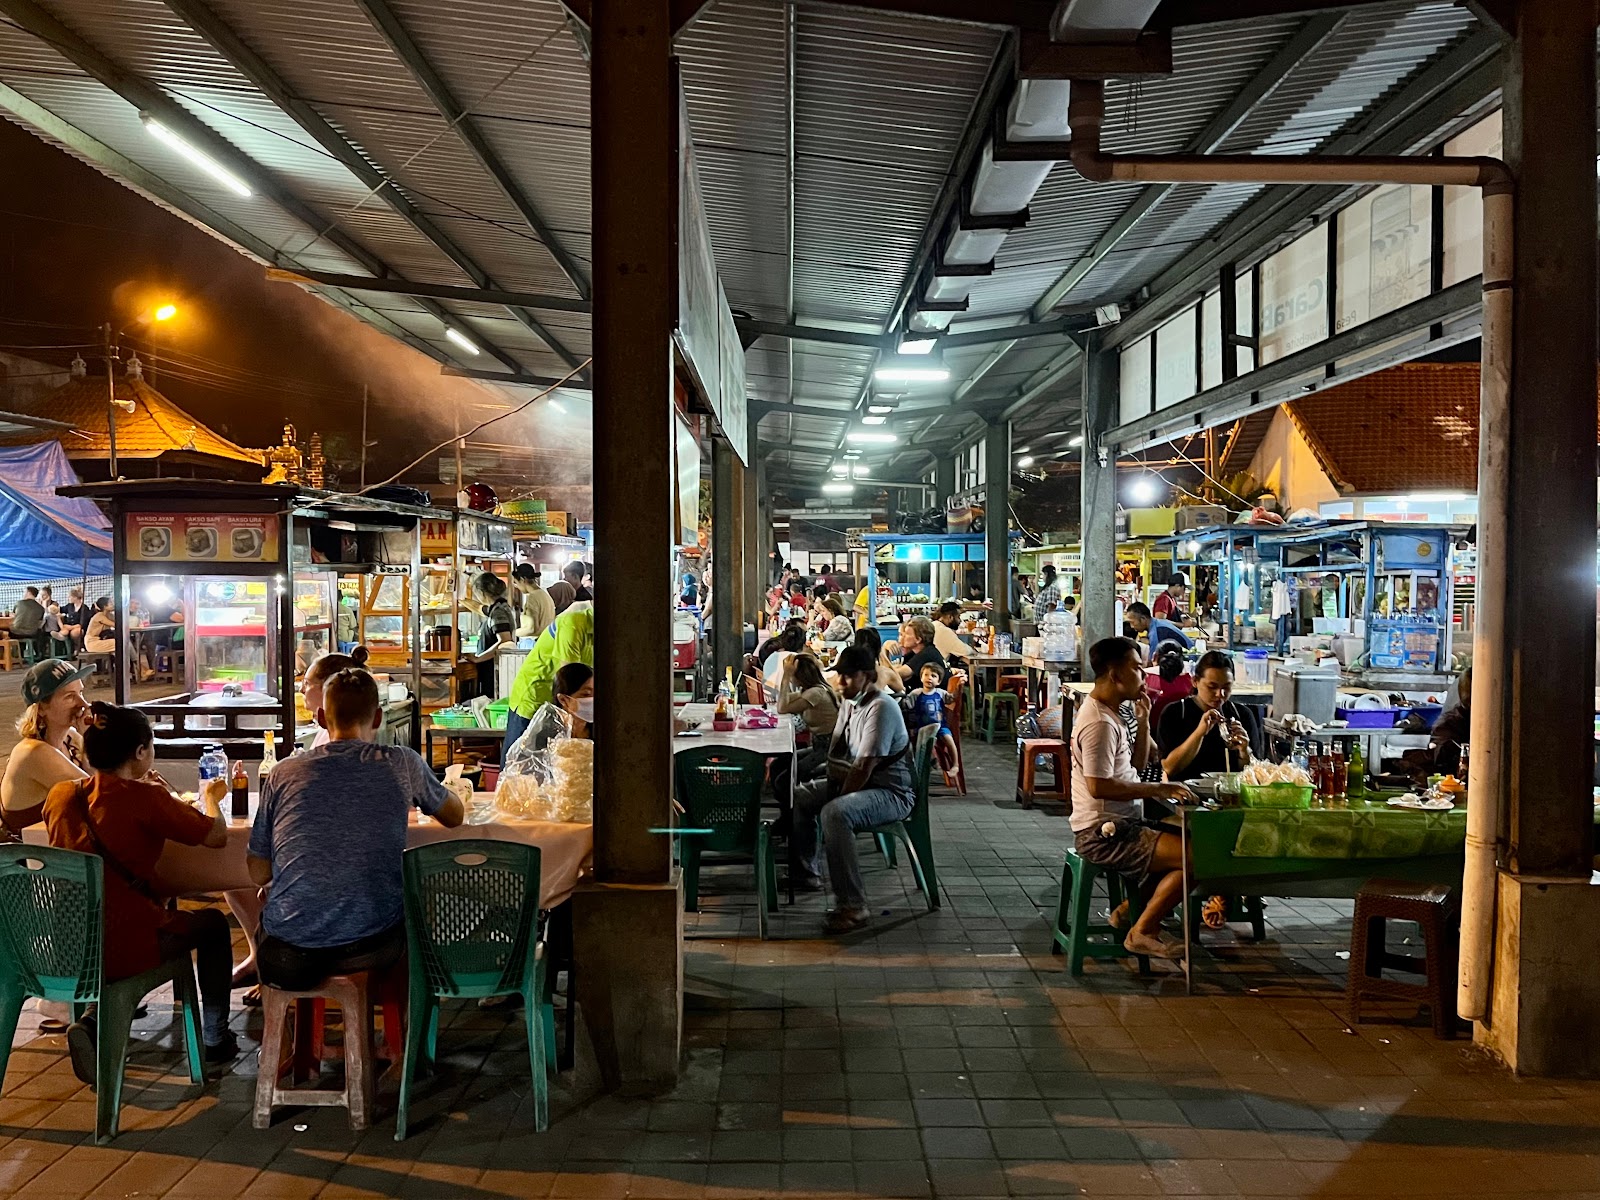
43, 535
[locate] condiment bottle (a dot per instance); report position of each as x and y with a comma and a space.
1356, 774
1338, 782
241, 791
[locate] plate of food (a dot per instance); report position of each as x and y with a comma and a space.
155, 541
247, 543
1424, 803
200, 541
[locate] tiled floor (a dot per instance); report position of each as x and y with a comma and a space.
938, 1054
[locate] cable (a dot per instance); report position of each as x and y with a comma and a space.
482, 425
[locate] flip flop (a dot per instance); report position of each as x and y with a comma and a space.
1214, 912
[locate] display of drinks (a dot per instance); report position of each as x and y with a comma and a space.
213, 765
241, 791
269, 753
1338, 781
1356, 774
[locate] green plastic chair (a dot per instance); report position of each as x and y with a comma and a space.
914, 830
1074, 933
992, 703
720, 790
472, 917
51, 926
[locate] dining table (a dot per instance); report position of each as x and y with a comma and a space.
565, 850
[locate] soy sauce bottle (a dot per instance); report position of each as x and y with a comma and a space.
241, 791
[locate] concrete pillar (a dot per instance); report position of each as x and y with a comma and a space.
997, 521
1546, 990
727, 591
756, 539
1097, 613
944, 480
627, 923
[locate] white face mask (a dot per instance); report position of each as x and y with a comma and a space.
586, 710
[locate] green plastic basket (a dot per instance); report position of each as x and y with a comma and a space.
1275, 795
497, 712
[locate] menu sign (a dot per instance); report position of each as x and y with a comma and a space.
202, 537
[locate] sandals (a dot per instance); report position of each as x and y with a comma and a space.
1214, 912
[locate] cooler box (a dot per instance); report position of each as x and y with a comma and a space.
1309, 691
685, 641
1386, 718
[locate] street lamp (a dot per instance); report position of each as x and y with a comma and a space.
112, 341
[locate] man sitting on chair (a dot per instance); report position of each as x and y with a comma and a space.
868, 784
328, 837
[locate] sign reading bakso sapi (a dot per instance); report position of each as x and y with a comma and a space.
202, 537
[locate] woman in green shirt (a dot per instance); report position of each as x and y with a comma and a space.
570, 639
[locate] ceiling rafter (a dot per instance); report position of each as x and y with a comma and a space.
244, 59
385, 21
147, 98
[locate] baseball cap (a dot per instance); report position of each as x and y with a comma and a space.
45, 678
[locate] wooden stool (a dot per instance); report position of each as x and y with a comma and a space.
992, 703
1435, 910
353, 996
1073, 929
1034, 749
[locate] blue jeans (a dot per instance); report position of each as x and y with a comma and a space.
840, 820
516, 726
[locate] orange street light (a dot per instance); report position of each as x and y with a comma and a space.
166, 312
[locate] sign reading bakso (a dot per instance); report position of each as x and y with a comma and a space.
202, 537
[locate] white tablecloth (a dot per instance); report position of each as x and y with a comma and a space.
566, 849
767, 742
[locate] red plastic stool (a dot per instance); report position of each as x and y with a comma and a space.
1018, 686
352, 993
1034, 749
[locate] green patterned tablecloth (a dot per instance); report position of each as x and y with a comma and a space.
1364, 831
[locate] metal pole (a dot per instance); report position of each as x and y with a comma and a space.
997, 522
111, 395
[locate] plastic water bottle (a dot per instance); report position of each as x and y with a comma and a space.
213, 765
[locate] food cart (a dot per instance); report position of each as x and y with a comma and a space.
911, 574
1227, 558
246, 581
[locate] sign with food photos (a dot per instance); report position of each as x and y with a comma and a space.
202, 537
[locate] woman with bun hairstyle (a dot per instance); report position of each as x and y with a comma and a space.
123, 815
318, 673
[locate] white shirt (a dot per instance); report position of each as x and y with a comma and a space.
1101, 749
948, 643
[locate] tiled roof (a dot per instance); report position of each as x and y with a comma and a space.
155, 427
1412, 428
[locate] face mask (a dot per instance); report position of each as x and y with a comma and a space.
586, 710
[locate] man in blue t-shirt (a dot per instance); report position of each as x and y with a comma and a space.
1139, 618
328, 837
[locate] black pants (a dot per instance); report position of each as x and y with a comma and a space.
300, 968
205, 931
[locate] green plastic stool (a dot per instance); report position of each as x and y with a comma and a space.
1073, 928
914, 831
992, 703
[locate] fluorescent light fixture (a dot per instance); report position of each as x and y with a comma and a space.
1025, 461
852, 454
1022, 449
840, 468
861, 471
873, 419
460, 339
903, 374
917, 345
1142, 490
840, 488
198, 157
558, 406
870, 437
1076, 440
880, 410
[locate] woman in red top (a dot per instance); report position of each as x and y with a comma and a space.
1171, 682
126, 815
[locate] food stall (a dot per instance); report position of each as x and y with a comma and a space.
1226, 559
904, 572
244, 584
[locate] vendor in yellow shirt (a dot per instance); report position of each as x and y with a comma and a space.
861, 608
568, 639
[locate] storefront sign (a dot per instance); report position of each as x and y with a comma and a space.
438, 538
202, 537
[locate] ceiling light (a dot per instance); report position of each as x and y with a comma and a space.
873, 419
198, 157
917, 345
841, 488
1142, 490
861, 471
1076, 441
166, 312
1025, 461
911, 368
852, 454
840, 468
880, 410
558, 406
460, 339
870, 437
1022, 449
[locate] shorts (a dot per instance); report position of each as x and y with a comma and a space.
1128, 851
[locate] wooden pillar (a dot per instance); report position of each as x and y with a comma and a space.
1546, 991
628, 922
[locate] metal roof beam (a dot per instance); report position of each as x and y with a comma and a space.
1174, 14
1436, 97
880, 341
147, 98
400, 40
1040, 58
520, 378
1020, 14
256, 69
395, 286
1265, 82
